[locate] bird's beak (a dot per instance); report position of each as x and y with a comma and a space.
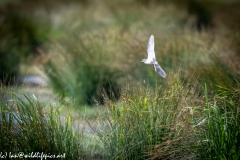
143, 60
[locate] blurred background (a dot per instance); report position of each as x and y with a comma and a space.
87, 50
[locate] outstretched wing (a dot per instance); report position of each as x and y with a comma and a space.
160, 71
150, 48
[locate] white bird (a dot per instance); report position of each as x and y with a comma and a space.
151, 58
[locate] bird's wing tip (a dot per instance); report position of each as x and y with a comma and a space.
163, 75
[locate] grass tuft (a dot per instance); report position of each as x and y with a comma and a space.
28, 126
148, 123
220, 138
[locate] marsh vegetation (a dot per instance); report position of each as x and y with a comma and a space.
101, 102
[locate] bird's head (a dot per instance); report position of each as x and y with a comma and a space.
143, 60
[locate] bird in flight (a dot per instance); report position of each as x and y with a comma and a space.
151, 58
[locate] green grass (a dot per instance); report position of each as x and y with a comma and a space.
147, 123
86, 73
153, 118
94, 65
172, 122
28, 126
103, 53
220, 139
101, 58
